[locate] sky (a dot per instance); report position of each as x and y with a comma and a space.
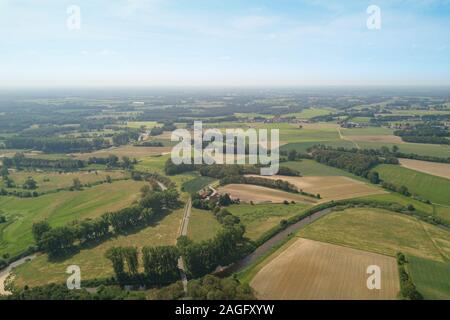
163, 43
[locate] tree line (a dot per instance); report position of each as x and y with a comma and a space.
353, 161
268, 183
19, 160
56, 145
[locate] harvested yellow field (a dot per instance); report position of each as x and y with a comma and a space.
434, 168
257, 194
375, 138
331, 187
124, 151
311, 270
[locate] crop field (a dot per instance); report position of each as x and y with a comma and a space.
260, 218
432, 278
124, 151
197, 184
433, 168
374, 138
368, 131
47, 181
202, 225
311, 112
303, 146
153, 163
137, 124
433, 188
441, 212
331, 187
256, 194
381, 231
59, 209
314, 270
92, 262
434, 150
308, 167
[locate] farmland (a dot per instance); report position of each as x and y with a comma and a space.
256, 194
125, 151
433, 168
260, 218
202, 225
380, 231
92, 262
308, 259
331, 187
431, 277
59, 209
314, 270
426, 186
48, 181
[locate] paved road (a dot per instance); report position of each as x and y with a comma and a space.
183, 232
5, 272
272, 242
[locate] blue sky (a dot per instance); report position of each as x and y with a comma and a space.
224, 43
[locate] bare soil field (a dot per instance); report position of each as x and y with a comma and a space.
434, 168
312, 270
257, 194
375, 138
331, 187
127, 151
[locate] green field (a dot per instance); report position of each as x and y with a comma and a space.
310, 113
59, 209
303, 146
92, 262
368, 131
260, 218
381, 231
429, 187
152, 164
196, 184
434, 150
202, 225
312, 168
432, 278
432, 209
47, 181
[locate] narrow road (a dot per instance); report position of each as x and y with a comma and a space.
183, 232
161, 185
346, 139
6, 272
273, 242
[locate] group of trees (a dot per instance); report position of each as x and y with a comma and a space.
61, 292
204, 257
408, 289
167, 126
430, 132
112, 161
56, 145
125, 137
19, 160
358, 163
62, 240
220, 171
207, 288
264, 182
